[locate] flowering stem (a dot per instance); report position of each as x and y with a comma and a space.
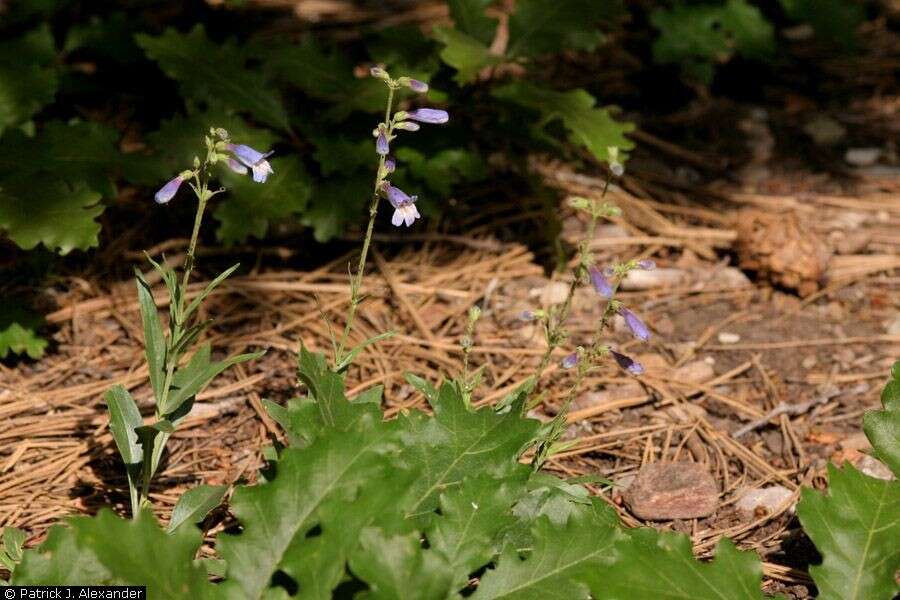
356, 280
554, 329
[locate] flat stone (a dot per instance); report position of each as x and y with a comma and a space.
768, 499
679, 490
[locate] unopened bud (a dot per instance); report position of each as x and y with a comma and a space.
379, 73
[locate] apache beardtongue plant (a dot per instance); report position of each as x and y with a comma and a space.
175, 385
605, 282
405, 211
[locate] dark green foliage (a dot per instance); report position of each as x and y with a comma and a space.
700, 36
409, 508
18, 331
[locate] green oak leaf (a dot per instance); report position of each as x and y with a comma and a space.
882, 427
468, 17
327, 76
216, 74
472, 518
457, 442
589, 126
336, 202
700, 36
48, 211
28, 79
80, 153
251, 209
441, 170
855, 527
547, 27
396, 567
464, 53
18, 331
653, 565
320, 491
559, 561
108, 550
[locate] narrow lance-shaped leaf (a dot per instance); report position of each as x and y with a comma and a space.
154, 339
195, 376
195, 504
351, 356
195, 303
124, 419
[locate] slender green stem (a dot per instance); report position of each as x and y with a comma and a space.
148, 469
554, 328
356, 280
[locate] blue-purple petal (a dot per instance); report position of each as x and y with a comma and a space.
381, 144
637, 327
390, 164
570, 360
168, 191
627, 363
429, 115
601, 283
248, 155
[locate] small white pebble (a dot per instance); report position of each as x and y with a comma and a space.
727, 337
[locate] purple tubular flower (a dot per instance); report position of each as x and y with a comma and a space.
429, 115
636, 326
390, 164
418, 86
381, 144
236, 166
527, 315
646, 264
570, 360
407, 126
405, 210
600, 283
168, 191
253, 159
626, 362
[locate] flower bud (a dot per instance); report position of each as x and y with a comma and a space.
168, 191
637, 327
413, 84
627, 363
429, 115
646, 264
379, 73
601, 283
407, 126
570, 361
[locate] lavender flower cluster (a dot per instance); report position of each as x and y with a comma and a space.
600, 280
240, 158
405, 211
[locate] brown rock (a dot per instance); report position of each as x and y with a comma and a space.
679, 490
